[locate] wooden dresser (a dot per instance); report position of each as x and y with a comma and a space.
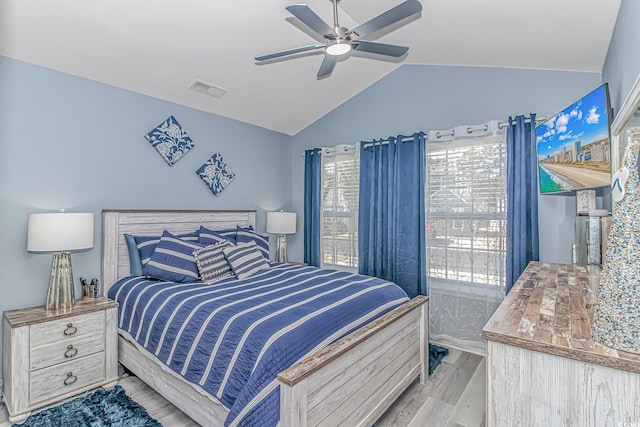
50, 356
543, 369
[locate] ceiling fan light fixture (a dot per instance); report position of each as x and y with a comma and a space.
339, 39
338, 47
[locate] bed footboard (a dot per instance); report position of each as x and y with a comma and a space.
355, 380
202, 408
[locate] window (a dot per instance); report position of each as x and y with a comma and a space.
339, 227
466, 191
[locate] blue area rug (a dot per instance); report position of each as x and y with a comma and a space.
436, 354
96, 409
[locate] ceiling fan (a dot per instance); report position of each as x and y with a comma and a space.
341, 40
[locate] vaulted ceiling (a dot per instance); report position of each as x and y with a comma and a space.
159, 47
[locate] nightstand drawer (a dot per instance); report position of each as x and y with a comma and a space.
66, 377
66, 329
66, 350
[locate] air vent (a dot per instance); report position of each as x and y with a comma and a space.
208, 89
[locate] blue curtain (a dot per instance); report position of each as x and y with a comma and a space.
312, 205
522, 197
391, 222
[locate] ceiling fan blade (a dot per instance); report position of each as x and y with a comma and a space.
393, 15
381, 48
328, 64
289, 52
310, 19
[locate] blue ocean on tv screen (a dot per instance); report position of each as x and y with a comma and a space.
547, 184
574, 149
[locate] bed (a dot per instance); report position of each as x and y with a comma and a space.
349, 382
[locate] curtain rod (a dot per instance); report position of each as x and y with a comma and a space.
386, 141
343, 148
371, 144
502, 125
346, 147
470, 130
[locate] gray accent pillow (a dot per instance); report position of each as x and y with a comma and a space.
212, 265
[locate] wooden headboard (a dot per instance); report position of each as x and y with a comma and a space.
115, 255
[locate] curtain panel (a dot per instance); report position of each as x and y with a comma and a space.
391, 223
522, 197
312, 206
466, 192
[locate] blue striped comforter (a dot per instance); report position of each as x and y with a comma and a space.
232, 338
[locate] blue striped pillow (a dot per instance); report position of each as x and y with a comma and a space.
245, 260
210, 237
212, 265
247, 235
147, 244
173, 260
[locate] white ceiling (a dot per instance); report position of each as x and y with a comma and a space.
158, 47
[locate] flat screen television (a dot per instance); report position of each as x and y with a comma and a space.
574, 146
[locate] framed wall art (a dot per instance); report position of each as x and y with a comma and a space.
216, 174
170, 140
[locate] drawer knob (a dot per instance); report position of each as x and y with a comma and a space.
70, 379
70, 351
70, 329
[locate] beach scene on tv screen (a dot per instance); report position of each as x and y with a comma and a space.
574, 147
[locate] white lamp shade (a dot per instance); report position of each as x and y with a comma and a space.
53, 232
281, 222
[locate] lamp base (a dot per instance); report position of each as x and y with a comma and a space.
61, 295
281, 249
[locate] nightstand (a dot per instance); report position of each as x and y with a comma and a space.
50, 356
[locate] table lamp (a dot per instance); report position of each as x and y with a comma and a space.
60, 233
281, 223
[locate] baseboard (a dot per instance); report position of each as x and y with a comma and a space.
479, 348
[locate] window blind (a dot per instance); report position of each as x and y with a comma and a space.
339, 227
466, 210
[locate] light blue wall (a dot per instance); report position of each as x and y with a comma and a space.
420, 97
72, 143
622, 64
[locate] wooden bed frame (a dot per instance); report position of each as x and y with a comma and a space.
351, 382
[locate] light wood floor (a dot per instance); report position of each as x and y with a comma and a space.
453, 397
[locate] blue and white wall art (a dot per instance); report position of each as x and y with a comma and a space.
216, 174
171, 140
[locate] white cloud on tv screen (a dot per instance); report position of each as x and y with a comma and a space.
562, 122
593, 118
576, 113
